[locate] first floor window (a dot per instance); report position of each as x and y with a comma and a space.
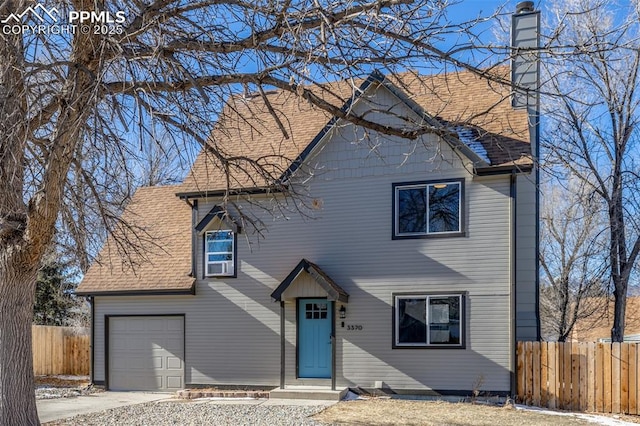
219, 253
428, 320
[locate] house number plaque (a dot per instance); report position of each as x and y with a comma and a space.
354, 327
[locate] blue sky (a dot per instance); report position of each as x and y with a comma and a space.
470, 9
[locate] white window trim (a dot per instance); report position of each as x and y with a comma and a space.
426, 186
396, 321
231, 271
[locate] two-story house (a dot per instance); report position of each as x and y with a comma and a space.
329, 254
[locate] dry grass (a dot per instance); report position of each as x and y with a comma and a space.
389, 412
59, 382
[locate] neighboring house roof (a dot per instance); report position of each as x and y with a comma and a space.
477, 112
162, 258
597, 327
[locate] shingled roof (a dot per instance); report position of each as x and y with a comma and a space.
477, 112
498, 136
163, 257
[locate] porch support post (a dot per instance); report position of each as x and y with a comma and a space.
282, 344
333, 346
333, 362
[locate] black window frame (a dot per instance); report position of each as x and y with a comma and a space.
234, 260
426, 295
395, 235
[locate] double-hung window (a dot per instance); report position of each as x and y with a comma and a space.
434, 320
428, 209
219, 253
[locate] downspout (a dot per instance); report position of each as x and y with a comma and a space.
194, 221
513, 196
282, 345
93, 334
194, 239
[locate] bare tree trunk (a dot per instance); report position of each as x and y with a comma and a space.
620, 305
618, 251
17, 293
20, 248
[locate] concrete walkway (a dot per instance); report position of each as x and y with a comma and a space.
63, 408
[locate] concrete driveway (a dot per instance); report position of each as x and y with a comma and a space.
63, 408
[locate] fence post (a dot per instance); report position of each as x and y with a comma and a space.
624, 378
544, 374
581, 386
528, 351
633, 381
535, 373
591, 376
552, 363
520, 372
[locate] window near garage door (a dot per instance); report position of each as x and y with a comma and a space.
219, 255
428, 320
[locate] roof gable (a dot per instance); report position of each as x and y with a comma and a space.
261, 154
220, 214
372, 79
334, 291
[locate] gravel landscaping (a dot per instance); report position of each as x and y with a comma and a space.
171, 413
247, 411
51, 387
374, 412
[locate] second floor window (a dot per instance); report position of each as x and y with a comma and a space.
219, 253
429, 208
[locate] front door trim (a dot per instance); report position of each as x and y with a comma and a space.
331, 303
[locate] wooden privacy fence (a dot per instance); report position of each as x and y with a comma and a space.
597, 377
60, 350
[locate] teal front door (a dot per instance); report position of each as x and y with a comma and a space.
314, 338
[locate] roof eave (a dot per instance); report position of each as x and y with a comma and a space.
206, 193
458, 146
504, 169
140, 292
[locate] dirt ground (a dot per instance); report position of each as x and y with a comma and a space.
391, 412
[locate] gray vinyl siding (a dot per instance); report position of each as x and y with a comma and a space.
232, 327
305, 286
221, 339
526, 294
525, 74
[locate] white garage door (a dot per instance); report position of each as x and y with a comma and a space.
146, 353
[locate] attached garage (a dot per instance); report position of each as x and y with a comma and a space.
145, 352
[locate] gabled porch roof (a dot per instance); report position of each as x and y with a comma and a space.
334, 291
